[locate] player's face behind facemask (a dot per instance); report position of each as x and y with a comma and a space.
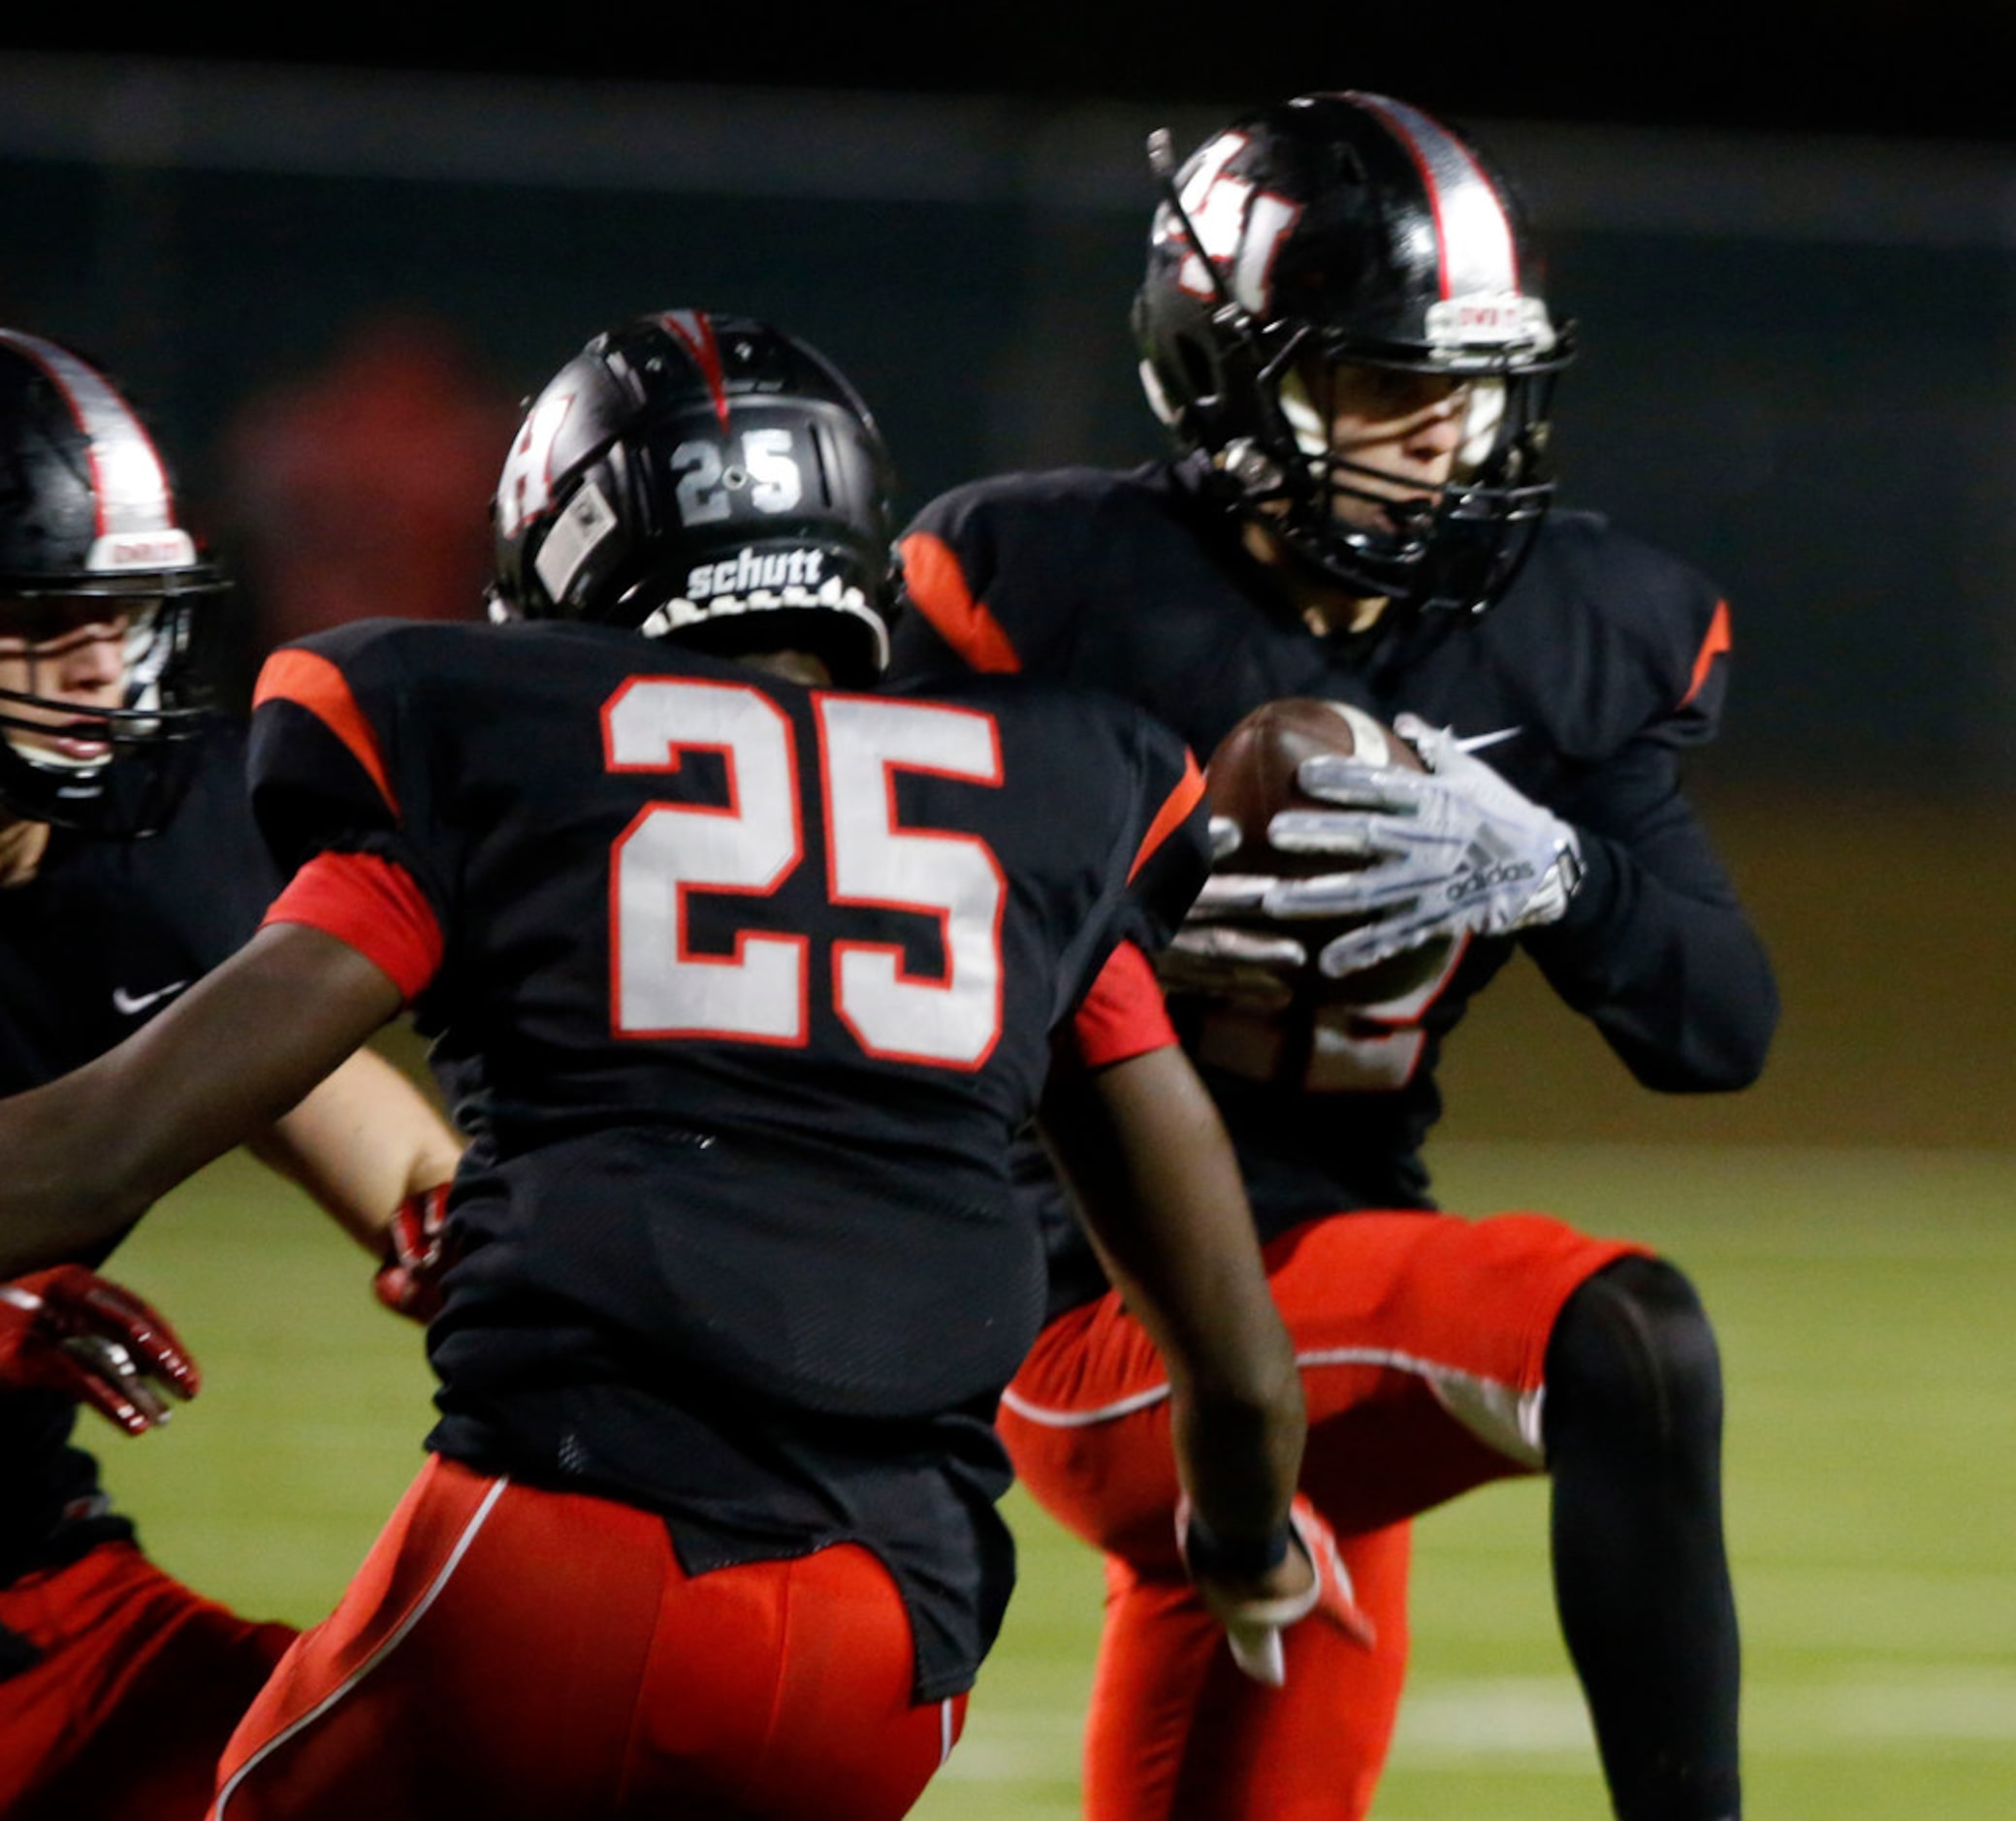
1383, 443
100, 716
80, 691
62, 668
707, 480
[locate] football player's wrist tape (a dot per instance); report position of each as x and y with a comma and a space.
1212, 1557
69, 1330
1457, 850
1254, 1624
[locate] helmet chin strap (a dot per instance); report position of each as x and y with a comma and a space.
1325, 600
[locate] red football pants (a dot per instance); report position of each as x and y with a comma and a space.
515, 1653
1423, 1341
139, 1685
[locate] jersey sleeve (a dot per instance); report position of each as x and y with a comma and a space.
1124, 1014
339, 767
1160, 863
1635, 646
1655, 949
375, 907
1173, 859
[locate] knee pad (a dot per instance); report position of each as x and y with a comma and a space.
1633, 1359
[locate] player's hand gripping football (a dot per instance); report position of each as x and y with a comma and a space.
1458, 851
69, 1330
1310, 1583
1244, 967
417, 1256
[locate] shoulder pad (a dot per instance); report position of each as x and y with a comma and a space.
1641, 633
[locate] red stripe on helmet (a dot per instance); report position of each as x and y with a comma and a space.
129, 481
693, 330
1473, 226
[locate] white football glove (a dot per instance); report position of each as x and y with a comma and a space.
1241, 967
1236, 968
1461, 853
1253, 1627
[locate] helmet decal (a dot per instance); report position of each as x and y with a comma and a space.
1237, 228
576, 533
525, 489
694, 332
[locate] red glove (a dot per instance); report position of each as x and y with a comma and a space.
72, 1331
1254, 1624
417, 1256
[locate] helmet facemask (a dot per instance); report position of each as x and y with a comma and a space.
1447, 541
1352, 234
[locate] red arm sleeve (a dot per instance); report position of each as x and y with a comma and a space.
1122, 1015
375, 906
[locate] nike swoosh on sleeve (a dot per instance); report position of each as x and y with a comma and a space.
132, 1004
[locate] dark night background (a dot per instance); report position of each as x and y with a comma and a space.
1881, 66
1788, 238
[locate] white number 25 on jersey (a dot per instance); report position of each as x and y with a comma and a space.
759, 994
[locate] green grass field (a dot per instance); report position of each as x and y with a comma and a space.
1864, 1299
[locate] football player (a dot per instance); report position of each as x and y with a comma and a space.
1342, 325
118, 1687
746, 975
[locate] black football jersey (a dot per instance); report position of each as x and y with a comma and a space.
104, 935
744, 988
1583, 686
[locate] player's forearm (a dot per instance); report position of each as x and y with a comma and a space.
1159, 1187
1676, 980
88, 1154
360, 1143
1655, 949
1237, 1462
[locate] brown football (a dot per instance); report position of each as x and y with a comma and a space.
1252, 776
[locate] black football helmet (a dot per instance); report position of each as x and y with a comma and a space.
87, 515
708, 479
1352, 228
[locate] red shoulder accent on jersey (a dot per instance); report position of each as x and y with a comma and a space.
1122, 1015
1712, 647
1176, 807
936, 587
312, 681
374, 905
